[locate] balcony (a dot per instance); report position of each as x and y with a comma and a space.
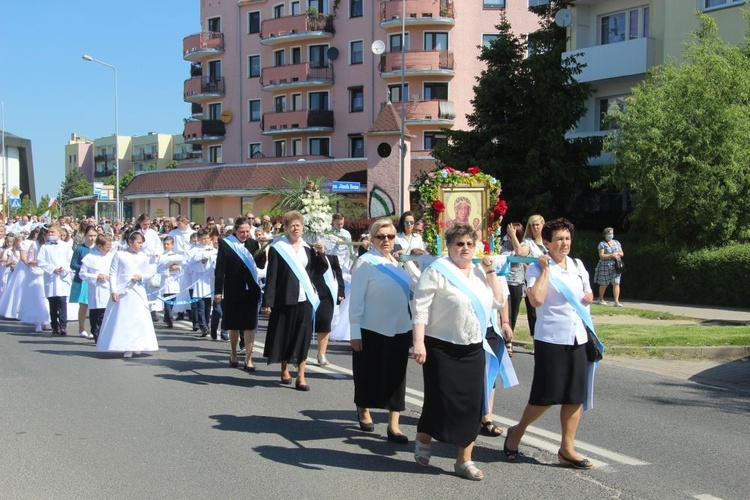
417, 63
200, 87
203, 130
295, 122
429, 112
144, 157
296, 29
196, 47
103, 171
188, 155
418, 13
104, 157
614, 60
295, 75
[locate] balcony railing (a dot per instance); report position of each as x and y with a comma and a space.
203, 130
196, 110
203, 86
299, 27
195, 47
104, 157
427, 111
296, 75
296, 121
417, 11
418, 62
187, 155
104, 173
634, 57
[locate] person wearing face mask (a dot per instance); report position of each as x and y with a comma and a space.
54, 259
610, 251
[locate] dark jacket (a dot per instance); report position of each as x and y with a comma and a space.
232, 277
282, 286
319, 281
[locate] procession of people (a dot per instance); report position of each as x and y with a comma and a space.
453, 314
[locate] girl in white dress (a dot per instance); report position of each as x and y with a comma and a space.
127, 325
10, 302
8, 260
34, 309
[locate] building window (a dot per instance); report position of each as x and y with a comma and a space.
488, 39
253, 22
246, 204
395, 92
493, 4
253, 66
214, 111
278, 11
296, 147
279, 148
625, 25
605, 106
355, 8
356, 99
320, 5
435, 91
538, 3
253, 110
714, 4
296, 55
279, 103
317, 101
356, 146
395, 42
296, 102
434, 139
356, 54
320, 146
295, 8
214, 154
278, 58
214, 70
253, 150
318, 56
198, 209
214, 24
435, 41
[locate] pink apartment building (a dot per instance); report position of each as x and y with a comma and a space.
275, 81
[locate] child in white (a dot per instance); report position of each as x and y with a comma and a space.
127, 325
34, 308
8, 260
94, 272
54, 259
202, 265
170, 268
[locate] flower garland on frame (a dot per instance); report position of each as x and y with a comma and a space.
428, 186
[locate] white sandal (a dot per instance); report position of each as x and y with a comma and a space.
422, 453
468, 470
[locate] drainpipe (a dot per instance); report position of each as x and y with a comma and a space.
239, 78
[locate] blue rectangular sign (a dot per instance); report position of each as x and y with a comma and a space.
345, 187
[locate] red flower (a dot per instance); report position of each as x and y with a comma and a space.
450, 169
474, 170
486, 247
438, 206
500, 208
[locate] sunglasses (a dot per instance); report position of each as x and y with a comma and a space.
461, 244
381, 237
408, 223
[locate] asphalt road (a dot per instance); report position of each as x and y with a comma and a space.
180, 423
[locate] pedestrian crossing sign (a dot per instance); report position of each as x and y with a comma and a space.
15, 203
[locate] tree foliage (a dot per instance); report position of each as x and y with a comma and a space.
74, 185
523, 107
683, 145
125, 180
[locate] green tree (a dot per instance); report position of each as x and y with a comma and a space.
683, 144
523, 107
43, 206
125, 180
74, 185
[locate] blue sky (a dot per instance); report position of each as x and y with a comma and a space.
50, 92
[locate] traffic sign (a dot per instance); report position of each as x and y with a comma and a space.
15, 203
15, 192
345, 187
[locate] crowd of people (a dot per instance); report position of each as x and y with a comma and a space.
454, 314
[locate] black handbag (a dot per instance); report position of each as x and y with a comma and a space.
593, 354
619, 266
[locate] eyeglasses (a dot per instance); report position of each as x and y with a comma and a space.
461, 244
381, 237
408, 223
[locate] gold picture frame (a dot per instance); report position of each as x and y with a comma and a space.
468, 204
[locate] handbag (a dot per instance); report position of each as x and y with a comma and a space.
593, 354
154, 282
619, 266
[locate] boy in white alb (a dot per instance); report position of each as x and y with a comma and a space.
170, 268
54, 259
202, 265
95, 268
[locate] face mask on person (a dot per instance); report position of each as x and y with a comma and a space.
609, 237
52, 239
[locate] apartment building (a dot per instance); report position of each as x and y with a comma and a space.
621, 40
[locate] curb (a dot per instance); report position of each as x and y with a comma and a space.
710, 352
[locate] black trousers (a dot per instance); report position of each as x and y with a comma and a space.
516, 294
95, 318
215, 319
168, 308
530, 315
58, 313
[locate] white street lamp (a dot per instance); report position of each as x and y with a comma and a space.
5, 165
87, 57
402, 147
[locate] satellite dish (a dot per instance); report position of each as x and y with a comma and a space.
377, 47
563, 18
333, 54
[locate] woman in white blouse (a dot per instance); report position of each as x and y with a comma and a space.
452, 306
380, 327
560, 367
406, 238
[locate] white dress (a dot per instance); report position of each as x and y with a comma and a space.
127, 324
6, 271
10, 301
34, 309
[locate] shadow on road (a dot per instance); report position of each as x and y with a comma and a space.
719, 398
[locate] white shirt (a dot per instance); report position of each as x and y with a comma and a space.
377, 302
170, 279
414, 240
203, 274
54, 256
556, 320
343, 252
181, 240
93, 264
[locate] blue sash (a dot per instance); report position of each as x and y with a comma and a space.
286, 251
507, 373
585, 315
445, 267
333, 287
393, 272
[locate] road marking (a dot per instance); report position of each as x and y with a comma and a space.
541, 439
706, 496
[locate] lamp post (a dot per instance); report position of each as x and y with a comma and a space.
402, 146
5, 165
87, 57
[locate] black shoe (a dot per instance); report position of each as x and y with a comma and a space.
583, 464
365, 426
153, 317
180, 316
170, 325
204, 333
301, 387
396, 438
63, 331
195, 328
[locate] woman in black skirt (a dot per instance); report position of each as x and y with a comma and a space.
237, 288
330, 296
288, 300
560, 366
380, 326
448, 334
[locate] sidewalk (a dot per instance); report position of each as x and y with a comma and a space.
723, 314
